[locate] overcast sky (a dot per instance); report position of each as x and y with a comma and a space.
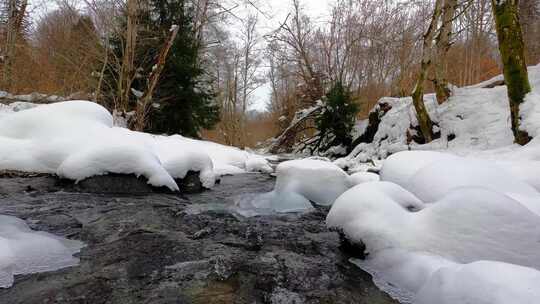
275, 12
317, 9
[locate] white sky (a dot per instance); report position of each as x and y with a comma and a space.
317, 9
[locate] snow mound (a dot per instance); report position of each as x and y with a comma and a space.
299, 184
23, 251
77, 140
481, 283
363, 177
445, 229
475, 223
432, 175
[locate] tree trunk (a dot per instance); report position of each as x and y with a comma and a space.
142, 105
11, 37
424, 121
127, 69
440, 82
512, 51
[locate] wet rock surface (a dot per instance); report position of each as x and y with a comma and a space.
166, 248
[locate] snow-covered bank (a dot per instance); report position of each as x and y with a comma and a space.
77, 140
456, 220
475, 118
23, 251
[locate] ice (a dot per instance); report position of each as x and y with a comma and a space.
23, 251
77, 140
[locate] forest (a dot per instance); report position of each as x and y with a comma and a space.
105, 51
270, 151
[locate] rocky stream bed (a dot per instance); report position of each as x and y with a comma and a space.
146, 247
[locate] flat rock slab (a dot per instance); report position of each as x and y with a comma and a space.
102, 184
151, 248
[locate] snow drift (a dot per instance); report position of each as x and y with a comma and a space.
77, 140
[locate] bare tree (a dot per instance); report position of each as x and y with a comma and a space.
127, 71
15, 11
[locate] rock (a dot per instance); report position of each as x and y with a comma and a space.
147, 248
191, 183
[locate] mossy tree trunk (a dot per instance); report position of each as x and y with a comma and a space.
512, 51
424, 121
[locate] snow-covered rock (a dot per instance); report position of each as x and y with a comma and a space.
475, 118
77, 140
481, 283
363, 177
299, 184
432, 175
438, 227
23, 251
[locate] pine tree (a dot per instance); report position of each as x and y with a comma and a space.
185, 101
338, 118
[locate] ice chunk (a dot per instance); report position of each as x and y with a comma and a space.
23, 251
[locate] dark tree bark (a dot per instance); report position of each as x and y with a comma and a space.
512, 51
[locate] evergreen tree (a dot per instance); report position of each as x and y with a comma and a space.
185, 101
338, 118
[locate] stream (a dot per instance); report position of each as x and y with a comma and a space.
165, 248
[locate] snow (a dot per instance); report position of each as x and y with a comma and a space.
456, 220
478, 117
299, 184
23, 251
480, 283
431, 175
530, 116
467, 225
363, 177
77, 140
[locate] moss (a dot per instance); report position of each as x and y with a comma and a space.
512, 51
